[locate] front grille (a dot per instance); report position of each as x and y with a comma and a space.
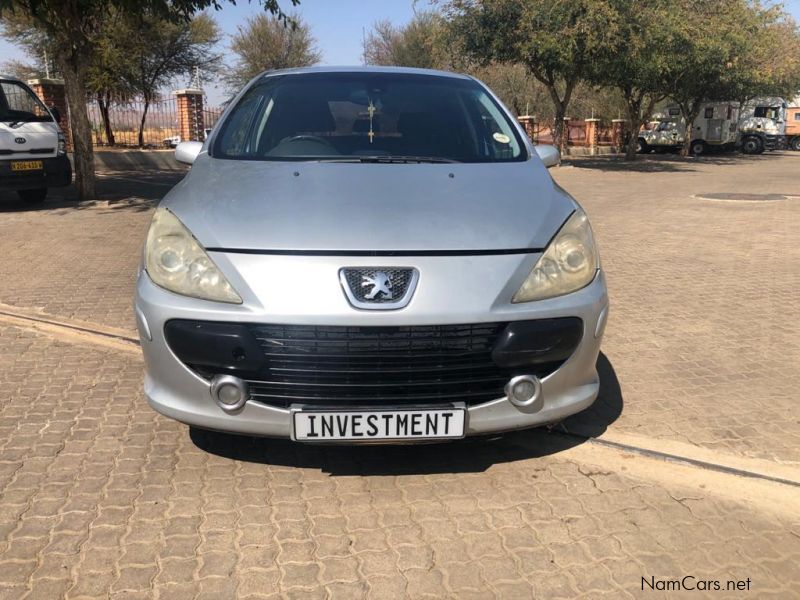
6, 152
378, 365
336, 366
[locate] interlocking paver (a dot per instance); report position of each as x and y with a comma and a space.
133, 505
703, 337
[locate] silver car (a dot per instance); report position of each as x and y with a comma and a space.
369, 254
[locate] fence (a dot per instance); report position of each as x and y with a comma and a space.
165, 122
118, 123
580, 133
211, 115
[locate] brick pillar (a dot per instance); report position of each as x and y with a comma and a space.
618, 127
51, 92
592, 134
190, 115
529, 123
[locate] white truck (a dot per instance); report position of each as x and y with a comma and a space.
754, 127
33, 151
715, 126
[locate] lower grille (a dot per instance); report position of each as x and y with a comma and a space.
335, 366
339, 366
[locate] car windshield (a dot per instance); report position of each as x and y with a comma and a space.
19, 105
368, 117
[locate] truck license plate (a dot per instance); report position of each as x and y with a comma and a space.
27, 165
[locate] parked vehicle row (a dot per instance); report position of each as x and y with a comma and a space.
759, 125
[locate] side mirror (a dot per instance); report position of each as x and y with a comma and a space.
550, 155
56, 114
186, 152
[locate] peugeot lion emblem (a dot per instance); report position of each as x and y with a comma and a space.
20, 140
380, 283
378, 288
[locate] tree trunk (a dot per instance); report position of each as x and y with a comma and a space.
632, 143
73, 70
689, 117
103, 103
560, 105
559, 140
634, 123
141, 125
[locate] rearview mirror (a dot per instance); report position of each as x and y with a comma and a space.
186, 152
550, 155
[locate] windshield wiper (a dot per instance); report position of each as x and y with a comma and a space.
391, 159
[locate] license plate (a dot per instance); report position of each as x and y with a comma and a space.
27, 165
356, 425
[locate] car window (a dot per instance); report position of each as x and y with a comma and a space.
19, 104
314, 116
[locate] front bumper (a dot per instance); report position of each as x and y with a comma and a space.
177, 391
57, 172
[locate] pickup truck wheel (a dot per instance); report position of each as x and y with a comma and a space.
752, 145
795, 143
642, 147
698, 148
33, 196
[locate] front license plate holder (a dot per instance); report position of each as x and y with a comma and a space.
378, 424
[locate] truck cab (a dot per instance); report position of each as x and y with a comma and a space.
33, 150
763, 125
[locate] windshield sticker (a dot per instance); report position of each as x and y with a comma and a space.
501, 137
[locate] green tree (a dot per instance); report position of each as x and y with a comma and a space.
727, 50
155, 51
643, 50
266, 43
559, 42
416, 44
105, 78
73, 26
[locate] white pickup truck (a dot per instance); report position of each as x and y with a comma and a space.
33, 151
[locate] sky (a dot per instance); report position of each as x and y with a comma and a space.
338, 26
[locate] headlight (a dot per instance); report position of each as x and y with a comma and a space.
175, 261
569, 263
62, 145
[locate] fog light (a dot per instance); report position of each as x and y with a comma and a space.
229, 392
523, 390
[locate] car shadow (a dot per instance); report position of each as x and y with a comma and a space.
471, 455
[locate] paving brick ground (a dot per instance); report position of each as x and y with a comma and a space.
74, 261
100, 496
704, 332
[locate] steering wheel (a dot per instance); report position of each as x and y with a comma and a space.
307, 138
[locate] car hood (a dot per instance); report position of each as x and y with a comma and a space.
330, 207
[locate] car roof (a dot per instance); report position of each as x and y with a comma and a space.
366, 69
